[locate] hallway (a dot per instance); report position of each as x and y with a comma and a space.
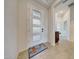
31, 22
63, 50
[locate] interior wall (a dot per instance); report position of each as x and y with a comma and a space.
51, 23
72, 23
66, 17
22, 16
51, 27
10, 29
25, 23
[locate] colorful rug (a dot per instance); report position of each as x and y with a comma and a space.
36, 50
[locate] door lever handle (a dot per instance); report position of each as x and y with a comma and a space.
42, 29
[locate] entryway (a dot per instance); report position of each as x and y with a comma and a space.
62, 22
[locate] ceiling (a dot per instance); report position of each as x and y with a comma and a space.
45, 3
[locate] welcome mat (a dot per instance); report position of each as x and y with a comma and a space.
36, 50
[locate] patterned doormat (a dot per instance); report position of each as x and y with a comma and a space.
36, 50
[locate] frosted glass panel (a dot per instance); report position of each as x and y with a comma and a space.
36, 21
36, 37
36, 25
36, 29
36, 13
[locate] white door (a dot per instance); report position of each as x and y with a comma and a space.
37, 26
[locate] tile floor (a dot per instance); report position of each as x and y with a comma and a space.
63, 50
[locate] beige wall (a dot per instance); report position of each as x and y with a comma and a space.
22, 41
25, 23
72, 23
51, 24
66, 17
10, 30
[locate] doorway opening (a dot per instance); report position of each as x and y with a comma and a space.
62, 22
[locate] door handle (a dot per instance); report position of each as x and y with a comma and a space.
42, 29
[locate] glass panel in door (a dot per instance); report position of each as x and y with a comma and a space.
36, 25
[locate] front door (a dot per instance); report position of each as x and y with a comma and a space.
37, 26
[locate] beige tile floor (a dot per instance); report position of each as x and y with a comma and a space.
63, 50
